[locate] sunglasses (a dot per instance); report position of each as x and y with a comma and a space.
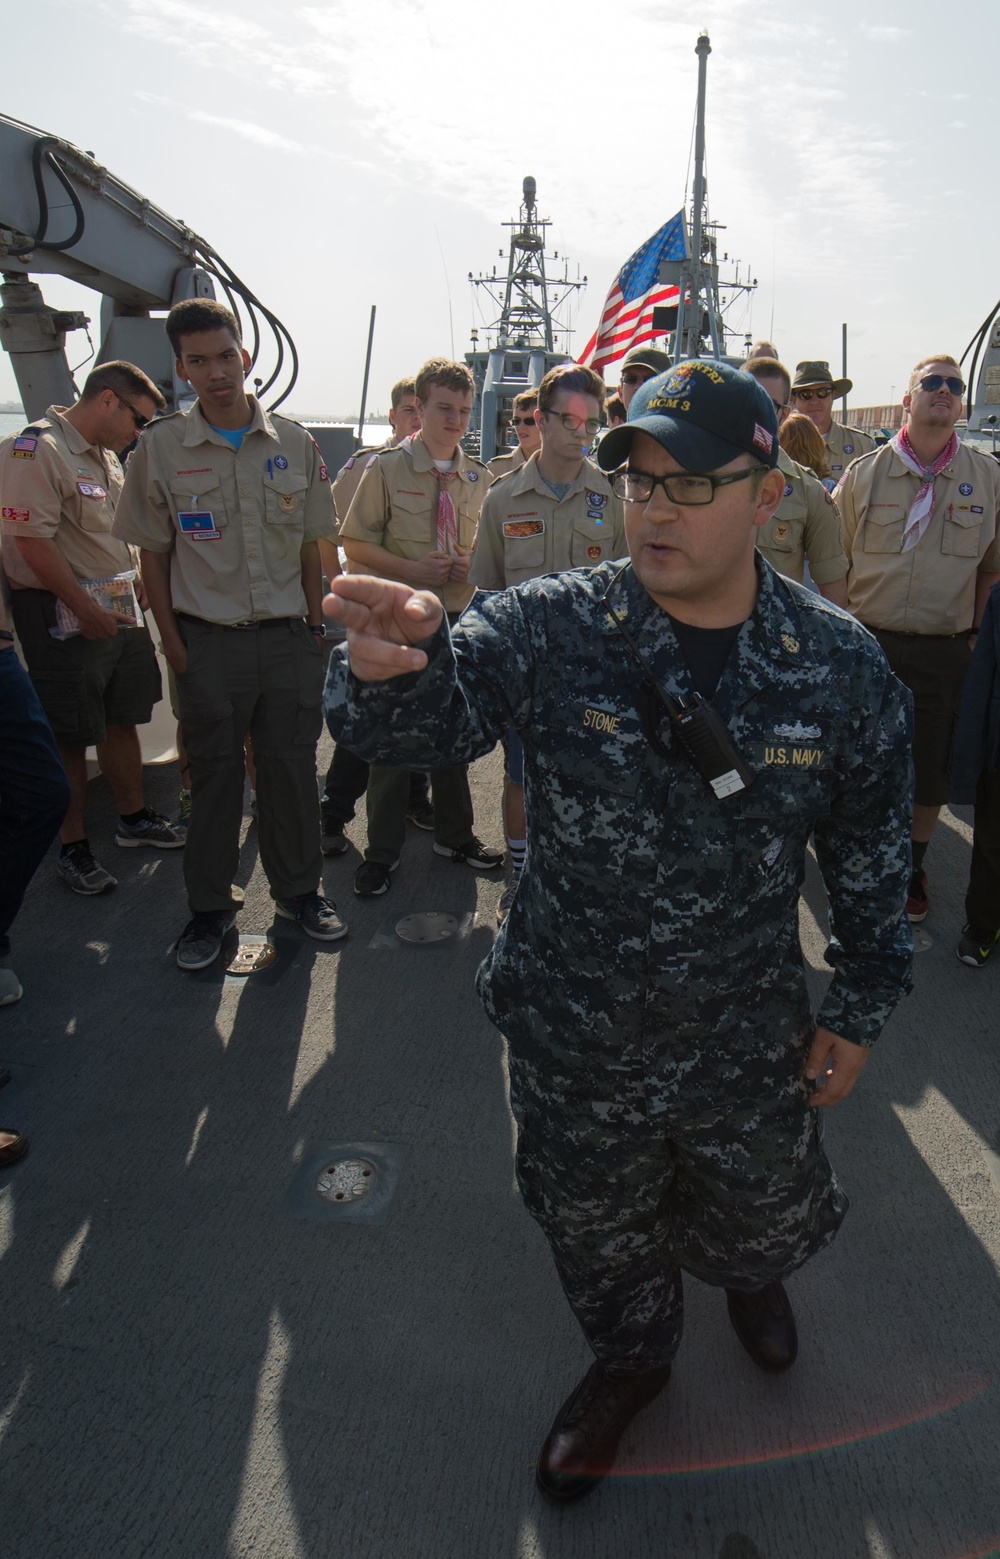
633, 378
522, 422
137, 417
812, 395
934, 382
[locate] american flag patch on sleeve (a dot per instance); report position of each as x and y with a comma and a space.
762, 438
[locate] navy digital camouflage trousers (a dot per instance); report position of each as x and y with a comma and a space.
634, 1177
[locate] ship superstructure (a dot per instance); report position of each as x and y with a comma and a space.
531, 333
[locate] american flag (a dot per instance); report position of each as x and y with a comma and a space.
627, 320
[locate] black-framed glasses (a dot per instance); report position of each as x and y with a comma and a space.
682, 487
574, 424
780, 406
137, 417
820, 393
934, 382
522, 422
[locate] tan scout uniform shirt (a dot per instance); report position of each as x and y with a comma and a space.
804, 525
844, 444
55, 486
233, 522
502, 465
395, 507
525, 530
932, 587
348, 479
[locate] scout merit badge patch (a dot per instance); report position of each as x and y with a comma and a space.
286, 502
517, 529
199, 524
594, 553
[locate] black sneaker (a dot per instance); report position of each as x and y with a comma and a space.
150, 830
474, 854
332, 839
80, 871
976, 946
200, 942
372, 878
316, 915
421, 813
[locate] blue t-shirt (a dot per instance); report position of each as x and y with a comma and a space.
234, 436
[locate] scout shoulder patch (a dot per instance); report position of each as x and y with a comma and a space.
16, 516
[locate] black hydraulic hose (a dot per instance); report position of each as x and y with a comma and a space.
43, 149
225, 274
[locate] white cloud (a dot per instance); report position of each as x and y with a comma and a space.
884, 34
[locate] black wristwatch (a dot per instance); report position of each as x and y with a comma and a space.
5, 633
319, 629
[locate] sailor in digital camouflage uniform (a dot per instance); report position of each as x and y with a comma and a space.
814, 390
664, 1061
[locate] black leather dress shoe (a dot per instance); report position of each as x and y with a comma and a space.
582, 1442
764, 1323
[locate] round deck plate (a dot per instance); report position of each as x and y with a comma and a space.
346, 1180
430, 926
253, 953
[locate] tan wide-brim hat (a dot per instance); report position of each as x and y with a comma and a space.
814, 375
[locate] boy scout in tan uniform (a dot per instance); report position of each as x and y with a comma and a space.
526, 530
228, 528
503, 465
804, 525
535, 524
404, 419
843, 443
59, 482
923, 599
395, 507
393, 526
525, 431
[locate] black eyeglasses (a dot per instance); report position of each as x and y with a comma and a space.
934, 382
137, 417
687, 488
821, 393
574, 424
522, 422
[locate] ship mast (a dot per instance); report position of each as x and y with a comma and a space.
530, 301
699, 310
527, 338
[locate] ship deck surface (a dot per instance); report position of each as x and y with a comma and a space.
192, 1371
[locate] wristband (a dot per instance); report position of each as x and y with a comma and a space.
5, 633
319, 629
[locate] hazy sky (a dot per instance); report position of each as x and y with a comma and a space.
343, 155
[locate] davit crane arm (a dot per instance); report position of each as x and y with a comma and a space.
62, 213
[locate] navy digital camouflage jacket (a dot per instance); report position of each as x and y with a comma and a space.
648, 907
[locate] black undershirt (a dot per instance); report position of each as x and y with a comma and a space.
706, 651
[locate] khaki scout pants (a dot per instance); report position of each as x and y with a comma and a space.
268, 681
